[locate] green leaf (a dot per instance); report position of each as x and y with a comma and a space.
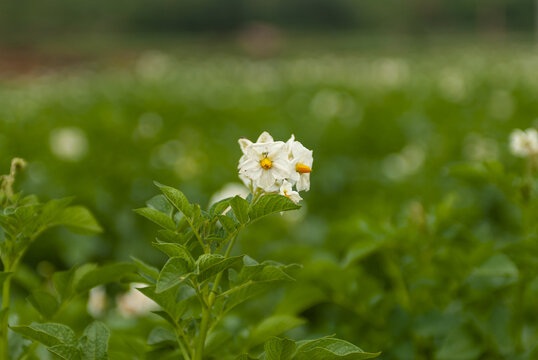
219, 207
103, 275
177, 198
79, 220
175, 250
44, 302
227, 223
94, 342
173, 273
157, 217
279, 349
48, 334
240, 209
66, 352
212, 264
160, 203
270, 204
146, 269
161, 335
330, 349
460, 344
63, 282
245, 357
272, 326
497, 271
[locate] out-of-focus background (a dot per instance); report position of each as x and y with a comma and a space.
104, 97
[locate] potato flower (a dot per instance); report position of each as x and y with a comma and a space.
524, 143
265, 163
286, 189
134, 303
301, 160
269, 166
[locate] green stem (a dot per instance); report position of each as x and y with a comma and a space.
180, 338
4, 355
206, 312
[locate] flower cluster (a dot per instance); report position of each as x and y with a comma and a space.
270, 166
524, 143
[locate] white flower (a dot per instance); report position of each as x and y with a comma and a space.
97, 301
301, 160
524, 143
134, 303
287, 190
265, 163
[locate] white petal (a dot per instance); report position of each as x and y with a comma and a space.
266, 180
244, 143
304, 182
265, 137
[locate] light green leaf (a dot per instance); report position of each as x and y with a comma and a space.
240, 209
160, 203
48, 334
212, 264
66, 352
157, 217
94, 342
44, 302
177, 198
79, 220
175, 250
270, 204
330, 349
272, 326
103, 275
279, 349
173, 273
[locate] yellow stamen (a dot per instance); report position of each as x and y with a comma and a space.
303, 169
266, 163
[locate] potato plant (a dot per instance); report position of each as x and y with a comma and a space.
199, 285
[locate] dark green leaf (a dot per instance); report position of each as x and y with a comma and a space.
63, 282
175, 250
66, 352
227, 223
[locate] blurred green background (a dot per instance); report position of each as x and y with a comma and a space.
402, 102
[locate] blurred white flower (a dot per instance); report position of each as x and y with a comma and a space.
265, 162
97, 301
229, 190
134, 303
69, 143
286, 189
301, 160
524, 143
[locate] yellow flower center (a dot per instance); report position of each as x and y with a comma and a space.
266, 163
303, 169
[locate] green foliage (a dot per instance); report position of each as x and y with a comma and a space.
62, 341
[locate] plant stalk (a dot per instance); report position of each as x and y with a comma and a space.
4, 355
206, 312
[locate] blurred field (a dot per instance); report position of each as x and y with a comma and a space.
387, 126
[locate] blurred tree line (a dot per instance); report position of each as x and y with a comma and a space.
28, 17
